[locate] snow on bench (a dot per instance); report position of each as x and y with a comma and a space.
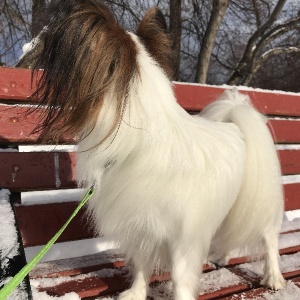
42, 185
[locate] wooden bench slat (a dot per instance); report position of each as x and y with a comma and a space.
194, 97
16, 125
290, 161
21, 171
292, 196
16, 85
39, 223
285, 131
50, 170
87, 287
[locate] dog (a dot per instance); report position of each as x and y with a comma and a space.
171, 188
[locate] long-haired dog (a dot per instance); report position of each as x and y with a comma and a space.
171, 188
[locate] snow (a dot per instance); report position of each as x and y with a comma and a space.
8, 237
287, 147
289, 225
47, 148
292, 215
52, 196
289, 179
72, 249
8, 244
288, 263
8, 150
104, 273
240, 88
218, 279
289, 240
290, 292
52, 267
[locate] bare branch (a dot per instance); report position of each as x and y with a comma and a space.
241, 69
263, 58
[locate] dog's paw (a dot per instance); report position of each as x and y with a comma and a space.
273, 282
133, 294
219, 262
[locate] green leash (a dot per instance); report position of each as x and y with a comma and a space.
18, 278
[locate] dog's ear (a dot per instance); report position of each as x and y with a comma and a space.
153, 33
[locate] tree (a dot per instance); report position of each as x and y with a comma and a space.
38, 16
216, 42
219, 8
175, 31
259, 47
14, 29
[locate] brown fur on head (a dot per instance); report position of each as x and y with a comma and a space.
154, 35
86, 54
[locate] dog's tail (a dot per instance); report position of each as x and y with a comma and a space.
259, 206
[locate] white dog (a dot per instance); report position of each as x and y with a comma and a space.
171, 188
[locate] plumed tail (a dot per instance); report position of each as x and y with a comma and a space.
259, 206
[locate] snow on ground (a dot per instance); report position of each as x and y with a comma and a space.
43, 296
105, 273
8, 244
72, 249
292, 215
290, 225
210, 282
104, 257
288, 263
8, 237
290, 292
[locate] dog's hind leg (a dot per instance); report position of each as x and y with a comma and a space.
272, 275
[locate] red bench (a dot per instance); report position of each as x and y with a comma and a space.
104, 274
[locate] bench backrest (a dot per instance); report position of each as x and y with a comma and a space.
37, 171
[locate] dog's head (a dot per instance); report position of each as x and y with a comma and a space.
87, 54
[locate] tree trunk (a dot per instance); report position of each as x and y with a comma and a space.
244, 65
217, 14
175, 30
38, 14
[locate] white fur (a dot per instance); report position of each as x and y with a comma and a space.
169, 185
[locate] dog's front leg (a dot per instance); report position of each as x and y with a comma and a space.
139, 288
186, 271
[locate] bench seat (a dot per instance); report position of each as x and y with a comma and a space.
103, 275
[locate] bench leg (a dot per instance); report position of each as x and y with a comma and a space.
272, 275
